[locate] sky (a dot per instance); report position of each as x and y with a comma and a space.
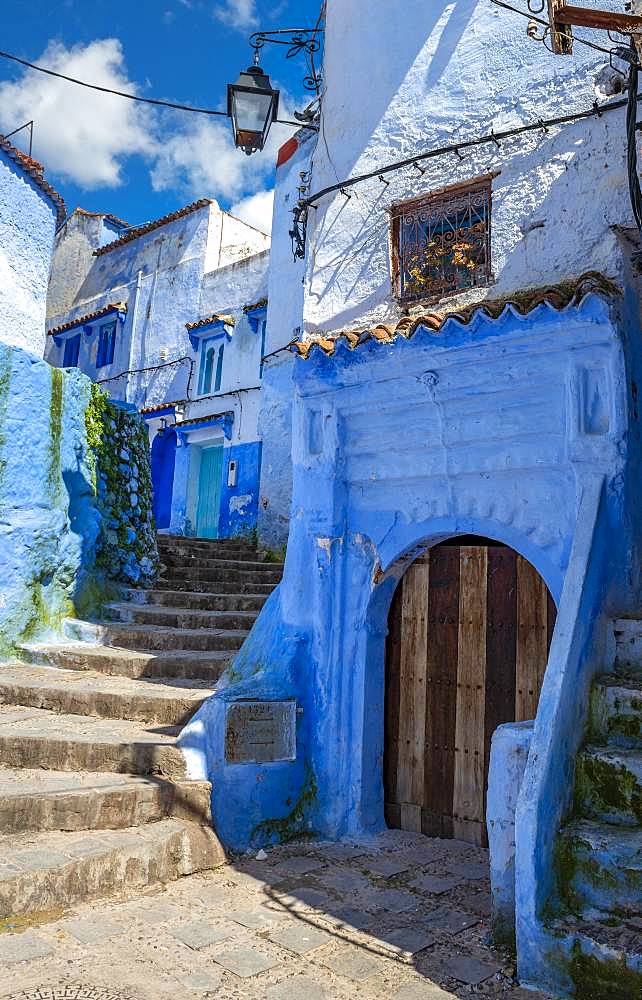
108, 154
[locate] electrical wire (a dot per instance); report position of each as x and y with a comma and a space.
154, 368
541, 125
547, 24
133, 97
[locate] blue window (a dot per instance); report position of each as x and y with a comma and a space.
72, 350
211, 366
106, 345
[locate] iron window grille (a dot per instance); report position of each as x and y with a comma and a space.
441, 242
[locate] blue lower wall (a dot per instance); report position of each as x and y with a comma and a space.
239, 504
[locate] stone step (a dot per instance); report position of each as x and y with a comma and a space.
192, 552
628, 645
608, 785
214, 544
58, 870
195, 586
197, 602
191, 665
36, 737
606, 957
64, 691
222, 574
40, 801
199, 562
140, 637
616, 711
177, 617
601, 868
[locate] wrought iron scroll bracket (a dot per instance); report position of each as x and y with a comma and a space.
298, 41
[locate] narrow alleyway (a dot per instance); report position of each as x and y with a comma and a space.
401, 917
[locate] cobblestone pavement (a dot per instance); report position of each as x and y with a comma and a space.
402, 917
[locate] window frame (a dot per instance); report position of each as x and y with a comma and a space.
106, 335
432, 199
76, 340
215, 373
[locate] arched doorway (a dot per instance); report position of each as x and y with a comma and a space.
162, 462
469, 630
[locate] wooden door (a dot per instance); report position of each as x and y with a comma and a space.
209, 492
469, 631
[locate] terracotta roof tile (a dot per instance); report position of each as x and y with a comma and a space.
261, 304
214, 318
162, 406
188, 421
88, 317
557, 297
148, 227
101, 215
36, 171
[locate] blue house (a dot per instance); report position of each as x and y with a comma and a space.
170, 317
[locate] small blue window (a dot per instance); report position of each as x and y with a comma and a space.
209, 354
106, 345
72, 350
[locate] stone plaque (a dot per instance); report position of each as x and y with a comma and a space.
260, 732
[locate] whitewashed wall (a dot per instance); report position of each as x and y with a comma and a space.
399, 85
27, 227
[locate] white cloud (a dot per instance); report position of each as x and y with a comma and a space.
80, 134
256, 209
201, 160
239, 14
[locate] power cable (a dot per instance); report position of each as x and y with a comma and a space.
541, 125
546, 24
132, 97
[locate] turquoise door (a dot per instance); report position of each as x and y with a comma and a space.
209, 492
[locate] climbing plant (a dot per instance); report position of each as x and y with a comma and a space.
121, 479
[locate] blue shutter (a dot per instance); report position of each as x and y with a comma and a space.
106, 345
219, 368
72, 350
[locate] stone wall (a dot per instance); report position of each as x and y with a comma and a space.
121, 478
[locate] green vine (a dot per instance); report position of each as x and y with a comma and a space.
120, 476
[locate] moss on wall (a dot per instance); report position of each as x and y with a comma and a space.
603, 979
6, 354
291, 826
54, 477
121, 478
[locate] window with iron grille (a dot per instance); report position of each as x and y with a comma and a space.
441, 242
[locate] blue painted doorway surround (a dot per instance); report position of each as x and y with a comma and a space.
163, 460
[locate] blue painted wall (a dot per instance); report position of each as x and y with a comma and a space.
48, 519
239, 504
494, 429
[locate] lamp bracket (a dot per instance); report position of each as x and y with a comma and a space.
297, 41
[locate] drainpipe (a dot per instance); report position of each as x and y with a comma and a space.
132, 335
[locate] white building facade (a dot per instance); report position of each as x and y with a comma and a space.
169, 317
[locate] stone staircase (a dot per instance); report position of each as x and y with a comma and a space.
94, 794
600, 849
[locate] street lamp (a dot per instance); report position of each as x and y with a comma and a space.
253, 105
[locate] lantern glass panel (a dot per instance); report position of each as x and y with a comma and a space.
252, 111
